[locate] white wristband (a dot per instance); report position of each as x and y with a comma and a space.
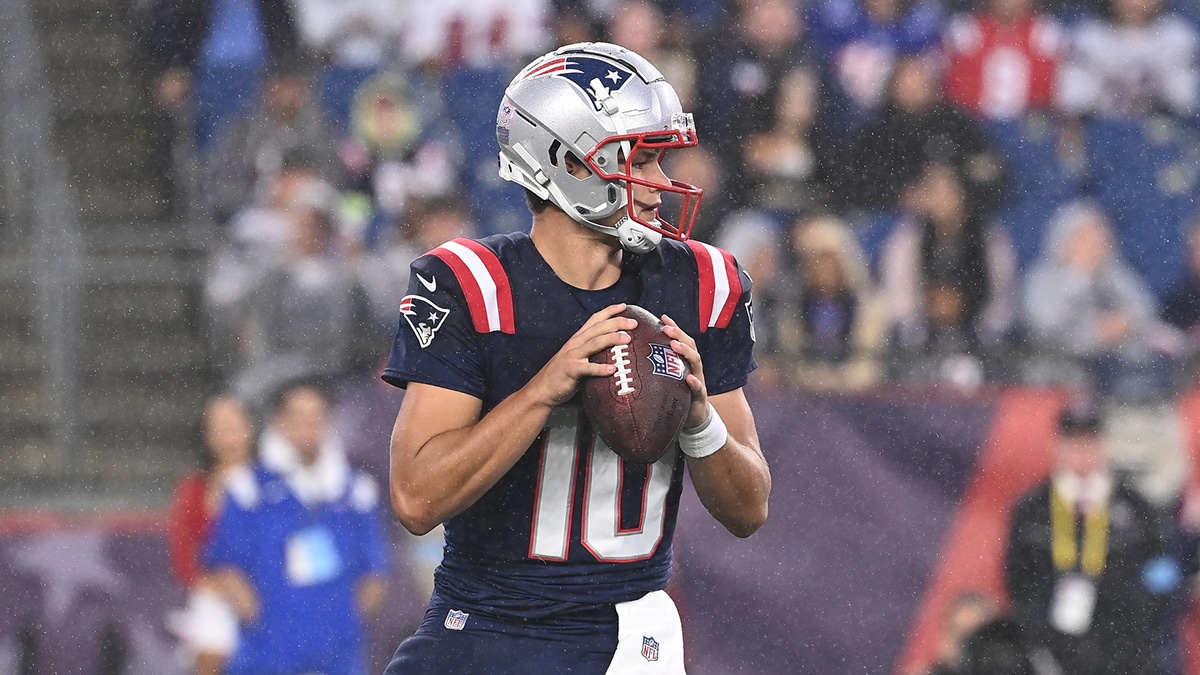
705, 439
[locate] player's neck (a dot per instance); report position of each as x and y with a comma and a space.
581, 257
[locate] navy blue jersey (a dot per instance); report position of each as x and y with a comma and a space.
570, 525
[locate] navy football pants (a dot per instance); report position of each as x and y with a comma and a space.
486, 647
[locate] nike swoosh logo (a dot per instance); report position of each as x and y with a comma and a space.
429, 284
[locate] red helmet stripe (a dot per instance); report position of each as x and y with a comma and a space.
484, 283
547, 68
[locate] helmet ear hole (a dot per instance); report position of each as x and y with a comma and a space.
554, 148
612, 194
575, 167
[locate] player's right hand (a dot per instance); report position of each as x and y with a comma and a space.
557, 381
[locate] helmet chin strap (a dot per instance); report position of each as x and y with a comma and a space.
635, 237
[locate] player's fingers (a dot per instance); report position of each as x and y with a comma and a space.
689, 354
598, 343
605, 314
597, 369
611, 326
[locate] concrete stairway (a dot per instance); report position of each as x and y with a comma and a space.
104, 121
140, 363
141, 374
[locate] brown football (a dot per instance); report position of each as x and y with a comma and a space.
639, 410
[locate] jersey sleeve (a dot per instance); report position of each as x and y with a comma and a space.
726, 346
436, 342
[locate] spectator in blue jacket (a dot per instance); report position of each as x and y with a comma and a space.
299, 548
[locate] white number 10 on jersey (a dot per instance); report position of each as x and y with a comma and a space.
563, 447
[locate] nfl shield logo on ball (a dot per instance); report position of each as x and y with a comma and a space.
456, 620
649, 648
666, 362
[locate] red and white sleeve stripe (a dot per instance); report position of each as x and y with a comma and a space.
484, 283
720, 285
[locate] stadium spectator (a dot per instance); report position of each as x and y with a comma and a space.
264, 227
640, 26
787, 159
250, 152
1181, 307
205, 628
1002, 60
353, 41
947, 269
383, 272
916, 127
1139, 59
399, 149
256, 239
761, 42
753, 238
212, 54
1086, 565
826, 331
859, 42
305, 315
227, 434
452, 34
299, 547
1083, 301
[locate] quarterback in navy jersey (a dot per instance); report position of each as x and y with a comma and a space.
557, 550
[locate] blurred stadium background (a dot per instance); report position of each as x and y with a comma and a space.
892, 490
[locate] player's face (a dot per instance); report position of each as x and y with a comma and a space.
646, 165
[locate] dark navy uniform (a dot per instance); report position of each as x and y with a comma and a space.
571, 530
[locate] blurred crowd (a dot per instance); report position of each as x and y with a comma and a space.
954, 192
923, 191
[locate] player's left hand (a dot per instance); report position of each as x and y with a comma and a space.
685, 346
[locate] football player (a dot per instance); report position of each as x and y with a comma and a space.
557, 551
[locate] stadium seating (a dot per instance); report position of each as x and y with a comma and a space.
1039, 179
872, 229
1144, 172
472, 96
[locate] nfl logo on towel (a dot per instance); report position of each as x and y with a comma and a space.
649, 648
455, 620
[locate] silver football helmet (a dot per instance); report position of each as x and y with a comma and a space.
601, 103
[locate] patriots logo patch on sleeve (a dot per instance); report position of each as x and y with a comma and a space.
598, 78
424, 317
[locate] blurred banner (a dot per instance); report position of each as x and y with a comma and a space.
883, 507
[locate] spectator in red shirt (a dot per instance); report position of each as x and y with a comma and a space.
228, 435
1002, 59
